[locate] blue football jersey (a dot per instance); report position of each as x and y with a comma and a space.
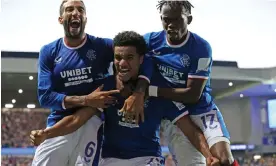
128, 140
63, 70
174, 64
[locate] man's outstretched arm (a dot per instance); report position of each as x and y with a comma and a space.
198, 76
65, 126
189, 95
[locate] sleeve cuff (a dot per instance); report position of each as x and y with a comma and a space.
198, 77
153, 91
63, 105
144, 77
63, 102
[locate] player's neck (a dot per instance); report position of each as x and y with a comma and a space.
119, 83
179, 43
73, 43
123, 86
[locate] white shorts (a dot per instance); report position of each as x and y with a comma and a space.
212, 126
184, 153
64, 150
137, 161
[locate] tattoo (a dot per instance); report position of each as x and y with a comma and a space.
74, 101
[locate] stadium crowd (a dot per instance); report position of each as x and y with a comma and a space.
9, 160
17, 124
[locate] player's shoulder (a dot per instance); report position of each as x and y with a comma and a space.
154, 35
200, 44
51, 47
53, 44
99, 41
155, 39
198, 40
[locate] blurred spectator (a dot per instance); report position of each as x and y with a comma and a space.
265, 161
16, 160
17, 124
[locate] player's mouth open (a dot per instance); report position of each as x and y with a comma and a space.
123, 71
75, 23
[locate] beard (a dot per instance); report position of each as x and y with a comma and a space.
73, 35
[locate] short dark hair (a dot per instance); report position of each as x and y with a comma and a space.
61, 7
131, 38
176, 3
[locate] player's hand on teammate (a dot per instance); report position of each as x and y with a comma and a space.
101, 99
37, 137
134, 108
212, 161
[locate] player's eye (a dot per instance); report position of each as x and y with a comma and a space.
166, 20
172, 20
81, 10
118, 57
130, 57
69, 9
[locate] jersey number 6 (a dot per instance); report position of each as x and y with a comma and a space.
89, 151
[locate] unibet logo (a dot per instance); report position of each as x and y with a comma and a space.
75, 72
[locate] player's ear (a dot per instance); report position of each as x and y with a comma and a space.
85, 19
190, 19
60, 20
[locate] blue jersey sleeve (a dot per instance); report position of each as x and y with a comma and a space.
46, 96
202, 62
147, 39
146, 68
173, 111
108, 49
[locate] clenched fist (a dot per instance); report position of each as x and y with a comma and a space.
37, 137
